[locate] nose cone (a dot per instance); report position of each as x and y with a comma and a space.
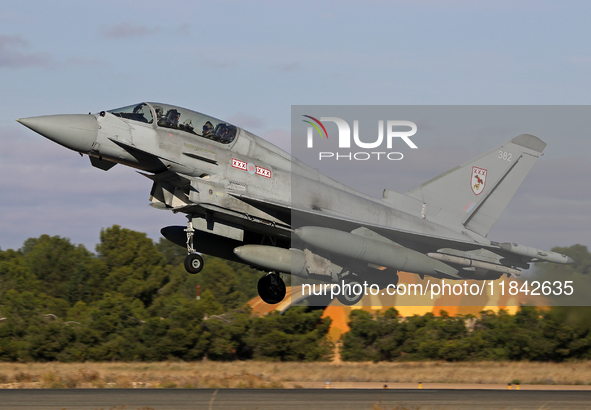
77, 131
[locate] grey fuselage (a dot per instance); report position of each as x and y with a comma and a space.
244, 190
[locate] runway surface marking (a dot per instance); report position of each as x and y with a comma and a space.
212, 399
292, 399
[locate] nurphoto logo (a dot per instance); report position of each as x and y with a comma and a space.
391, 130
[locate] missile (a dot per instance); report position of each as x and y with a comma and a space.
274, 259
377, 252
540, 254
474, 263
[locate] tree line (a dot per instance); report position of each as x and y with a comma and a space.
133, 301
531, 334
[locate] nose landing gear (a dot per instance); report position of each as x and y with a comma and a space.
193, 261
271, 288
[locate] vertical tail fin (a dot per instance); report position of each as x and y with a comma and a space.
474, 194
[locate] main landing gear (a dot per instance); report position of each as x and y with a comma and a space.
351, 294
271, 288
193, 261
354, 292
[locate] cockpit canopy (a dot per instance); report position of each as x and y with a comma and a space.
169, 116
137, 112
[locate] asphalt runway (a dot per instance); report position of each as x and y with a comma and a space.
293, 399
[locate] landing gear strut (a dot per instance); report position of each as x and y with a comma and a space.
193, 261
271, 288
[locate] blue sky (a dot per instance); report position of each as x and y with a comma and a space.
248, 62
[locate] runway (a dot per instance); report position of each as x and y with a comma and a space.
293, 399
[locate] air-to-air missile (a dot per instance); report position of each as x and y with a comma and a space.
540, 254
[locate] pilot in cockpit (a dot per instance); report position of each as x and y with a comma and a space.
207, 129
172, 118
159, 111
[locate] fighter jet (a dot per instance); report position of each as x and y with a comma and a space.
235, 189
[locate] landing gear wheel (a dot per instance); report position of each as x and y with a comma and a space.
193, 263
271, 288
351, 297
